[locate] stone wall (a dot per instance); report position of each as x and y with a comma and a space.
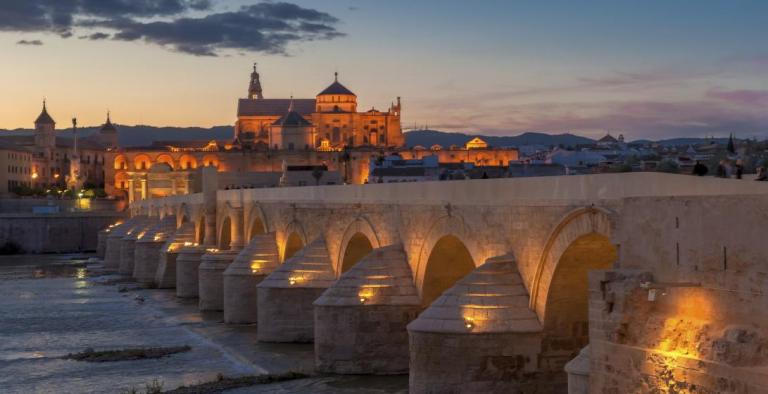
686, 311
60, 233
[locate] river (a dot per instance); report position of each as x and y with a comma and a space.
53, 305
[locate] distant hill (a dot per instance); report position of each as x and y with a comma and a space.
427, 138
132, 136
683, 141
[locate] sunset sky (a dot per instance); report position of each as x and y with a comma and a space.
648, 69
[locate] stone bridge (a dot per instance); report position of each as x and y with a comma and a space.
629, 282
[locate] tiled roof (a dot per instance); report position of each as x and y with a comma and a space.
292, 118
274, 107
336, 88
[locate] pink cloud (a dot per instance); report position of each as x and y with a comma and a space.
740, 97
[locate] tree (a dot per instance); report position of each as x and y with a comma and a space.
317, 173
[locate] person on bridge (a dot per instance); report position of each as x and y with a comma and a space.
700, 169
762, 175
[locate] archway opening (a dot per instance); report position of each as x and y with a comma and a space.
566, 320
201, 230
357, 248
225, 235
257, 228
448, 262
292, 245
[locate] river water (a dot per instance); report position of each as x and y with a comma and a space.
53, 305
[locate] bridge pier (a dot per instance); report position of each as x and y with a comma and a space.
187, 277
165, 277
250, 267
211, 278
128, 245
147, 255
285, 297
479, 336
114, 242
360, 321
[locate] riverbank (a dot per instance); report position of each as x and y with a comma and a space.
54, 305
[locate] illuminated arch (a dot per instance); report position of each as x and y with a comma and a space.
167, 159
452, 225
358, 240
225, 233
121, 180
142, 162
121, 163
257, 222
182, 214
187, 162
449, 260
293, 239
211, 160
574, 225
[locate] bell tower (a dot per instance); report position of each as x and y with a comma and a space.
254, 88
45, 127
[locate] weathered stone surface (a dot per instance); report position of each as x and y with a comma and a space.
211, 278
578, 373
112, 251
147, 254
187, 276
250, 267
128, 245
360, 321
165, 277
285, 297
479, 335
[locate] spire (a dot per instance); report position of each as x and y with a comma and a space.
731, 145
44, 118
108, 126
254, 89
290, 106
336, 76
74, 131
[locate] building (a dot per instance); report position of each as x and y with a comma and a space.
330, 120
48, 159
271, 133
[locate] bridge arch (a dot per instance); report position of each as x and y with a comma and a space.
257, 222
446, 255
224, 237
574, 225
183, 214
292, 240
358, 240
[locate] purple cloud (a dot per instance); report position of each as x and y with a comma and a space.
740, 97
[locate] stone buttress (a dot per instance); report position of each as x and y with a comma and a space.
128, 245
114, 241
165, 277
211, 278
259, 258
147, 253
360, 321
187, 264
285, 297
478, 336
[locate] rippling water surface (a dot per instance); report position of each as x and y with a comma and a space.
53, 305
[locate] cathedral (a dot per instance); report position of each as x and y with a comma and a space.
330, 121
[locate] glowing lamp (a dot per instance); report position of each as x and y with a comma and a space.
212, 250
188, 243
469, 324
34, 175
291, 281
363, 300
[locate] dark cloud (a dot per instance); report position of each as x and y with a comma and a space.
31, 42
98, 36
267, 27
